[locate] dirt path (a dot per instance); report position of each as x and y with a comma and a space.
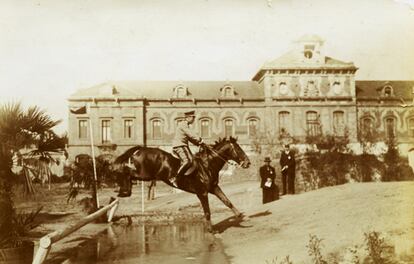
339, 215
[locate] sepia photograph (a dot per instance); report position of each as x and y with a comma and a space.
207, 131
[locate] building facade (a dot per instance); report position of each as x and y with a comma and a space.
302, 93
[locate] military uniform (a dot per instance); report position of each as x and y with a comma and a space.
183, 136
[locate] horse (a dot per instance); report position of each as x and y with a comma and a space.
201, 179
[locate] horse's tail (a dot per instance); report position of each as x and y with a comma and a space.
127, 154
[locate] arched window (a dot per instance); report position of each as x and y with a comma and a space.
253, 127
367, 126
181, 92
313, 125
178, 121
228, 127
228, 92
205, 128
284, 122
387, 92
337, 88
156, 129
338, 123
411, 126
390, 123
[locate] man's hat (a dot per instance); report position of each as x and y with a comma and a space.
267, 159
189, 113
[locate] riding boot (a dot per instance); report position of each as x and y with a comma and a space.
181, 171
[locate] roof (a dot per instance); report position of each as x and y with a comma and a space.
292, 60
371, 89
165, 89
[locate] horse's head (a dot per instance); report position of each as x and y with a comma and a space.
124, 175
235, 152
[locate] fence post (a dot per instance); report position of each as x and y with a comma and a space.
45, 244
47, 241
112, 212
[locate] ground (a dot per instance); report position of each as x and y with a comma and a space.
339, 215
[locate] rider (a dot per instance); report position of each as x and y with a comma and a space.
184, 135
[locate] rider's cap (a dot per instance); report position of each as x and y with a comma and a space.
189, 113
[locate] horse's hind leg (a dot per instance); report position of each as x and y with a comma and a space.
204, 202
220, 194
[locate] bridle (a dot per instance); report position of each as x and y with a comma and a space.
221, 157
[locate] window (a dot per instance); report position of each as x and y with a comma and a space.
178, 121
411, 126
253, 125
156, 129
367, 125
181, 92
313, 124
338, 123
106, 131
390, 127
284, 122
228, 127
83, 129
336, 87
228, 92
388, 91
205, 128
128, 128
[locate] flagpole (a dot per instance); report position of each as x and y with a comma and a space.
95, 180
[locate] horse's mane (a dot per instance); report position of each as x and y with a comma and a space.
217, 144
127, 154
221, 141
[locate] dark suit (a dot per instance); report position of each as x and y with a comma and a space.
269, 193
288, 175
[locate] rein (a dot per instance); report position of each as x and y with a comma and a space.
220, 156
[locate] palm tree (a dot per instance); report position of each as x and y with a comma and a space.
19, 129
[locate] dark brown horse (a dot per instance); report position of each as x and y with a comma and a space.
154, 163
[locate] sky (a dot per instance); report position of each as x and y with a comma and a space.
51, 48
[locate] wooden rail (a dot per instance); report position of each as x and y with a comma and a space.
46, 242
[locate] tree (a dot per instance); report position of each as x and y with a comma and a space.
19, 128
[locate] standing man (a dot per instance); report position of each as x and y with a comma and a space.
267, 183
287, 163
183, 135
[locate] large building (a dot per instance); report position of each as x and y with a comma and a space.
303, 92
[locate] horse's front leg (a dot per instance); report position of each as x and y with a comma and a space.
204, 202
220, 194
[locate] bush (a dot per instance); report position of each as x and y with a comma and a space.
314, 249
322, 169
396, 168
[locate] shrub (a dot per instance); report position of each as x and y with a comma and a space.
375, 246
396, 168
314, 249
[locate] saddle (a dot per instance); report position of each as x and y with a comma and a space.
191, 169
